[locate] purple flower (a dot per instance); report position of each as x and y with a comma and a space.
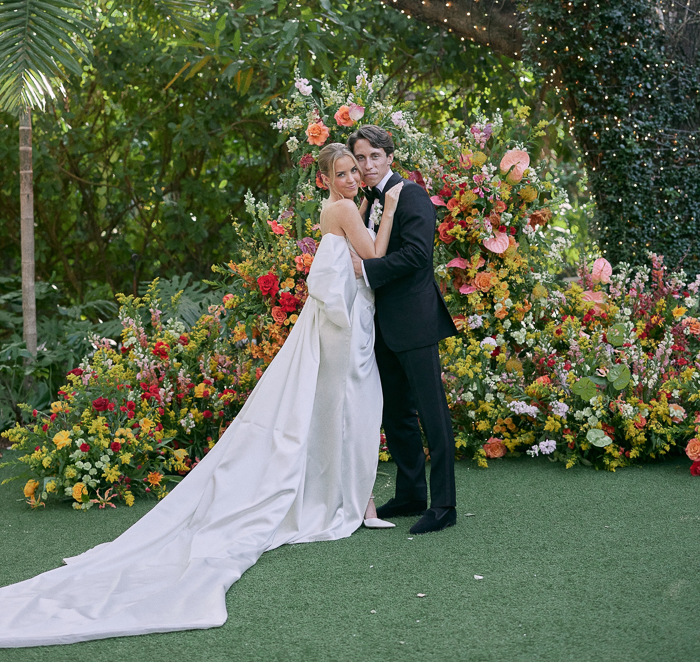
307, 245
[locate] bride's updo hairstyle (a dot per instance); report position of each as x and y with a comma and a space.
329, 155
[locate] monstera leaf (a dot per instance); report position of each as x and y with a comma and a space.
598, 438
584, 388
616, 335
619, 376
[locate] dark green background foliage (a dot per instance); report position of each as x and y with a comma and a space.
134, 181
629, 75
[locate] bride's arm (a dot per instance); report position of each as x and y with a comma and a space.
350, 222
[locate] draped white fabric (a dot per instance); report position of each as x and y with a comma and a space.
296, 465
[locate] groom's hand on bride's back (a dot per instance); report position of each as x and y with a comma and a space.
357, 264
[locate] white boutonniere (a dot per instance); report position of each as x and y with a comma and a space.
376, 214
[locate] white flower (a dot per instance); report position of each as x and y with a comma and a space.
488, 341
548, 446
398, 120
302, 84
535, 450
559, 408
375, 216
593, 421
475, 321
518, 407
488, 397
468, 397
292, 144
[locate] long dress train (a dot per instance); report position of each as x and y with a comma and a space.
296, 465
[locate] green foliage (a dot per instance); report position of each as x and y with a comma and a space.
65, 334
628, 74
39, 42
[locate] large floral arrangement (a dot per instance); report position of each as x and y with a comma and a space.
603, 371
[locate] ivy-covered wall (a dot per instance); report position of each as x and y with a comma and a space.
628, 74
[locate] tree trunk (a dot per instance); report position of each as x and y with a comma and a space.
26, 184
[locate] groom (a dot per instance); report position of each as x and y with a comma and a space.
411, 318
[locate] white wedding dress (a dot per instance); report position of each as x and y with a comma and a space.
296, 465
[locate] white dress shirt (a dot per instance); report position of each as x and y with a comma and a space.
380, 188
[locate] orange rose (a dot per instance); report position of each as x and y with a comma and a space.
452, 203
278, 315
483, 281
342, 116
317, 133
495, 447
692, 450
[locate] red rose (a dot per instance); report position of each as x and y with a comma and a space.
161, 349
695, 468
53, 417
442, 231
183, 340
84, 447
288, 303
110, 406
45, 427
100, 404
269, 284
206, 413
116, 446
130, 405
34, 413
76, 371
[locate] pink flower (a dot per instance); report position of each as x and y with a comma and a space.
437, 201
516, 161
602, 270
497, 244
598, 298
356, 112
458, 262
467, 289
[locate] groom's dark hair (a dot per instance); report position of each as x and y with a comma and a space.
375, 136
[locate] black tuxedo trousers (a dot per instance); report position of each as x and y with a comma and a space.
412, 389
411, 318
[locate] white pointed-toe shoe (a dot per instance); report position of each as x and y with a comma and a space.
376, 523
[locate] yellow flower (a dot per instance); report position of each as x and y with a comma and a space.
62, 439
180, 454
56, 407
51, 487
679, 311
71, 473
293, 318
154, 478
79, 491
147, 424
129, 499
478, 159
30, 488
288, 284
539, 291
125, 458
111, 474
200, 390
528, 194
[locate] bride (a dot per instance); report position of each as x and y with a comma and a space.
296, 465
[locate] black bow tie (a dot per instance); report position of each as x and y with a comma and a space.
373, 194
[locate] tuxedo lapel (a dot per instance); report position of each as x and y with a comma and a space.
393, 181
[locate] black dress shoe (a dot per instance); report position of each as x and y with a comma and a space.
432, 522
393, 508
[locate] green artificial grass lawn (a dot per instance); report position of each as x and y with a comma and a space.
576, 565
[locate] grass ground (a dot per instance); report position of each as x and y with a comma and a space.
576, 565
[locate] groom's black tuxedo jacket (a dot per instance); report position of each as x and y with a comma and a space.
410, 310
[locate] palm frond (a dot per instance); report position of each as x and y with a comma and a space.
173, 17
40, 40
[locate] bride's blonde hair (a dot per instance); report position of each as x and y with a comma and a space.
329, 155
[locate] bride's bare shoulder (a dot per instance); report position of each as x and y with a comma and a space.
340, 208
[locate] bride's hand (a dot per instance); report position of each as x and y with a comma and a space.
391, 199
